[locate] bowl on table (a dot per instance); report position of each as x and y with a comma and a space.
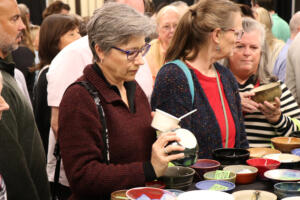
178, 177
253, 195
292, 198
212, 176
217, 185
204, 165
119, 194
263, 165
156, 184
267, 92
175, 192
287, 160
285, 144
258, 152
283, 175
244, 174
231, 156
205, 194
287, 189
149, 193
296, 151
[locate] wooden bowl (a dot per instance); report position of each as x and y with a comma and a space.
285, 144
259, 152
267, 92
244, 174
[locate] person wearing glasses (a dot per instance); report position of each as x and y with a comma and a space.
204, 35
131, 155
248, 64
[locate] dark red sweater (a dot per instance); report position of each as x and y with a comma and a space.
130, 139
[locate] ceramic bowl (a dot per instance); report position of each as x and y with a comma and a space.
244, 174
267, 92
231, 156
189, 142
263, 165
149, 193
287, 160
296, 151
205, 194
156, 184
178, 177
211, 176
287, 189
204, 165
291, 198
251, 195
210, 185
259, 152
119, 194
283, 175
285, 144
175, 192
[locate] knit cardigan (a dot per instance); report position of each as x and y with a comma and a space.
171, 94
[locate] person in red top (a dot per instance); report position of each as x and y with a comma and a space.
117, 39
205, 34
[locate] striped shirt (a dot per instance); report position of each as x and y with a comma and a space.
260, 131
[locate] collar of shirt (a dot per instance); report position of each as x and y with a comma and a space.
130, 87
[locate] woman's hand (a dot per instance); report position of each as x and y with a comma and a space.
248, 105
271, 111
159, 155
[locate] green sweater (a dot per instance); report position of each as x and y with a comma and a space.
22, 157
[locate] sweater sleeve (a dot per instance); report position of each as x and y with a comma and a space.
80, 142
171, 93
290, 112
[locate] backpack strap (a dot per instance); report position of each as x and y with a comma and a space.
188, 75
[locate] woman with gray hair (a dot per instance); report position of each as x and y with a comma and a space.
99, 161
248, 64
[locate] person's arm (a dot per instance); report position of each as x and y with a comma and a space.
54, 120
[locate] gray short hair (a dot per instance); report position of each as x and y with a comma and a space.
115, 24
295, 22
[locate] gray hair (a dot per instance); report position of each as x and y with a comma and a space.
115, 24
295, 22
262, 74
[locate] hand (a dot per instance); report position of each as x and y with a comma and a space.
159, 156
271, 111
248, 105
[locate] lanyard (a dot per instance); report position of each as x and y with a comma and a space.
223, 107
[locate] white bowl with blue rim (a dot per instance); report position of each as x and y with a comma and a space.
216, 185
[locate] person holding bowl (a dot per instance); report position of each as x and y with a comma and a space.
206, 33
129, 156
248, 64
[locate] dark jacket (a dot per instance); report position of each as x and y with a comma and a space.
23, 162
130, 138
172, 94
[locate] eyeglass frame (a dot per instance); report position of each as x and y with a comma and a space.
136, 51
238, 33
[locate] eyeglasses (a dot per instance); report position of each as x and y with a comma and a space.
168, 27
238, 33
132, 54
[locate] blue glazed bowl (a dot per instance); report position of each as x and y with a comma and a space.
296, 151
287, 189
206, 185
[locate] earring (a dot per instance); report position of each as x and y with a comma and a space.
218, 48
101, 60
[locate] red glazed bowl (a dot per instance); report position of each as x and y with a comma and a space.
263, 164
204, 165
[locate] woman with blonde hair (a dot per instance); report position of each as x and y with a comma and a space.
206, 33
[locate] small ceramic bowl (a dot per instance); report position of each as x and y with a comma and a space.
296, 151
211, 176
231, 156
175, 192
283, 175
149, 193
210, 185
285, 144
287, 189
204, 165
244, 174
267, 92
263, 165
252, 194
205, 194
259, 152
178, 177
291, 198
287, 160
119, 194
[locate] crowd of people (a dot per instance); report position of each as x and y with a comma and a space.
89, 87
